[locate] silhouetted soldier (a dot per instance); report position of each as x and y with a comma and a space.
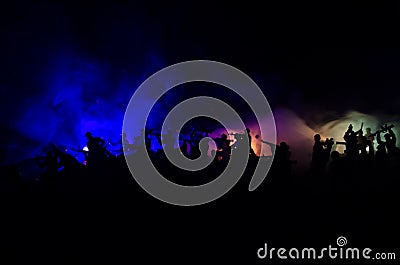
282, 165
223, 147
370, 140
317, 164
252, 153
390, 138
282, 159
96, 149
240, 141
321, 153
228, 143
350, 137
362, 144
282, 151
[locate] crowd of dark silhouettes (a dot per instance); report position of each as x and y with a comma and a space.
360, 158
362, 163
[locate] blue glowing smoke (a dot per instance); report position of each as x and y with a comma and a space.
71, 96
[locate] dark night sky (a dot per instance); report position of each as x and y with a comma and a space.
307, 57
280, 40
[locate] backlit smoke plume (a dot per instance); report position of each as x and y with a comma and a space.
295, 131
71, 96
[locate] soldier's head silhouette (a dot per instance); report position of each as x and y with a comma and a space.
284, 146
88, 135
